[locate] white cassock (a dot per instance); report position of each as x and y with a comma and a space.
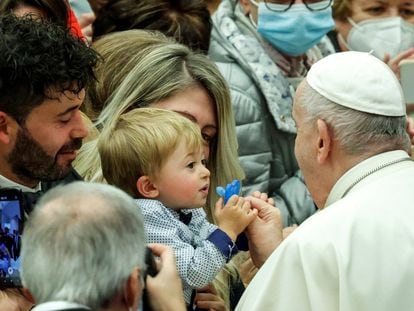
355, 254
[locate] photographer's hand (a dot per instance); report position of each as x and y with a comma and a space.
12, 299
165, 290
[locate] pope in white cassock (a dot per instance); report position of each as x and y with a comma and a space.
357, 252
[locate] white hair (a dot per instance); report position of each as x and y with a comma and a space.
81, 243
357, 132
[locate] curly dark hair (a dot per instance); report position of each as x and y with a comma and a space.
36, 55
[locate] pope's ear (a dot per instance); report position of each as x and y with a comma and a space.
147, 188
324, 141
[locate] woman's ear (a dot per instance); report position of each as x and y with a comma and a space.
147, 188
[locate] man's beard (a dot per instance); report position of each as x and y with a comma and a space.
29, 161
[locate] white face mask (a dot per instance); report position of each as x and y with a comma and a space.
390, 35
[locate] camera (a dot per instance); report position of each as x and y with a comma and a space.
151, 269
150, 263
11, 228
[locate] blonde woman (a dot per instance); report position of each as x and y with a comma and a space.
143, 69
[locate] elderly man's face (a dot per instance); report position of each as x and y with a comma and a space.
305, 144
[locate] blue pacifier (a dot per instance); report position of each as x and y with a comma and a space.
232, 188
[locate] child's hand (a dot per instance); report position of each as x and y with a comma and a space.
235, 216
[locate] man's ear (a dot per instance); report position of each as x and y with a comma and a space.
147, 188
324, 141
5, 128
133, 289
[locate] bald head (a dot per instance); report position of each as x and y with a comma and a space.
72, 206
81, 243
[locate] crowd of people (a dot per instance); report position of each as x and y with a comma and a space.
120, 119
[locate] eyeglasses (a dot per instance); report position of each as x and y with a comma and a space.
284, 5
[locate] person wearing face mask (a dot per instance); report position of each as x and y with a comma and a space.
264, 50
384, 27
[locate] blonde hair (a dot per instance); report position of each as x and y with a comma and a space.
140, 142
120, 52
156, 72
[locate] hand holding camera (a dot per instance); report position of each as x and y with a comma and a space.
164, 288
11, 227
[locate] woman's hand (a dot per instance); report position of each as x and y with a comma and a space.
165, 290
395, 62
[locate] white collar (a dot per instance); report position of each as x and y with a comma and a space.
7, 183
361, 171
59, 305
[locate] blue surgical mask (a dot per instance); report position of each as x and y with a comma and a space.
296, 30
